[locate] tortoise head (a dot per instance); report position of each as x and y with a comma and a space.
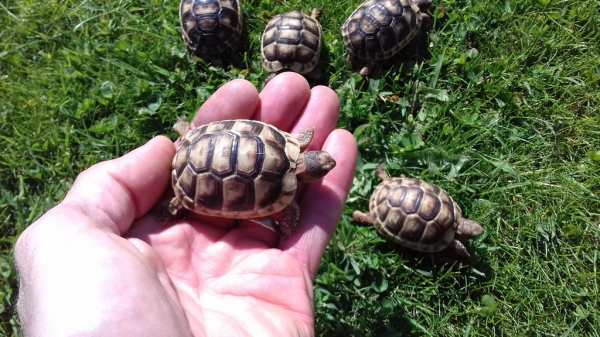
313, 165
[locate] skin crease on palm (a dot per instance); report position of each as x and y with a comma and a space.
100, 264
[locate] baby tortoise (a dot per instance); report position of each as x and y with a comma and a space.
378, 29
292, 41
211, 27
245, 170
418, 215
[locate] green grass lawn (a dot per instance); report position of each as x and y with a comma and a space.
504, 114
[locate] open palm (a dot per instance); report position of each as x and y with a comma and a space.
101, 264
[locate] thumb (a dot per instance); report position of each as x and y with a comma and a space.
112, 194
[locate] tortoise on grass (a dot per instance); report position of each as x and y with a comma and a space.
211, 27
244, 170
292, 41
417, 215
378, 29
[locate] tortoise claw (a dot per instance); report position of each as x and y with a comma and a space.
305, 138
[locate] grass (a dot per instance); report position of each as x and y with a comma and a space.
504, 113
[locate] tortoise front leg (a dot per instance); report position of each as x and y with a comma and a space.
270, 77
426, 21
381, 174
174, 205
362, 219
456, 248
305, 138
367, 70
288, 220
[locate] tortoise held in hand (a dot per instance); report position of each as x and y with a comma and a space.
244, 170
417, 215
378, 29
211, 27
292, 41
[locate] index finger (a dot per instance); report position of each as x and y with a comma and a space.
235, 99
322, 204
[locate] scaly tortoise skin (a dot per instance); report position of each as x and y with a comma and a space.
418, 215
378, 29
244, 169
211, 27
292, 41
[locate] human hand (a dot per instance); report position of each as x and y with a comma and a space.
99, 264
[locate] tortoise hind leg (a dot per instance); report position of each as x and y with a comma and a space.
362, 219
288, 220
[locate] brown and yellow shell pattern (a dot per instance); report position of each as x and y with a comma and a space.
211, 27
292, 41
415, 214
236, 169
379, 29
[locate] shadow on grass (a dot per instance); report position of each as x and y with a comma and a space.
399, 325
435, 263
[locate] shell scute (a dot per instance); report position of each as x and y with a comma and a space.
238, 194
276, 163
267, 191
430, 206
413, 228
209, 191
394, 220
432, 233
200, 155
249, 161
411, 201
446, 215
186, 181
224, 154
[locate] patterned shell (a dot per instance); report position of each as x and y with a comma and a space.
211, 27
378, 29
237, 169
415, 214
291, 41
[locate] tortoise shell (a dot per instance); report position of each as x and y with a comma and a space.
415, 214
211, 27
236, 169
291, 41
379, 29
